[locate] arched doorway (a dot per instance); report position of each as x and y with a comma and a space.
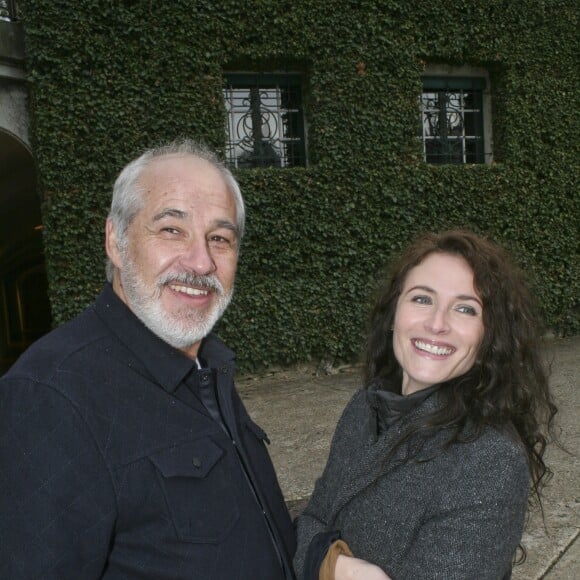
24, 305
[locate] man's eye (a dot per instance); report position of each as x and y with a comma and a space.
170, 230
219, 240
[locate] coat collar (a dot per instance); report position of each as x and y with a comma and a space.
166, 364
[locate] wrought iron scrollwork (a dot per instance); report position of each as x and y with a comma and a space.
262, 126
256, 131
447, 135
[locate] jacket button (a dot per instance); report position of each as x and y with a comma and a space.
224, 370
196, 462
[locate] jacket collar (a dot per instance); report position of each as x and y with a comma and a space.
166, 364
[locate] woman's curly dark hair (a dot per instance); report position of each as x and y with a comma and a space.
507, 388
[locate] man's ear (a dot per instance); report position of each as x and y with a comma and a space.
112, 244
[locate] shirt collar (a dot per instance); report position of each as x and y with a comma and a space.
166, 364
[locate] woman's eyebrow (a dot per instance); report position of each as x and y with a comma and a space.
420, 287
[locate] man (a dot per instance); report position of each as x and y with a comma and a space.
125, 451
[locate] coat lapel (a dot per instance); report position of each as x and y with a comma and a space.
369, 464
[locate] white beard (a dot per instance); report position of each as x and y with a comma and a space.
180, 329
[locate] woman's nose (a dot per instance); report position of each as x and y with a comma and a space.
438, 322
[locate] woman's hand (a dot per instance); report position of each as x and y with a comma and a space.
348, 568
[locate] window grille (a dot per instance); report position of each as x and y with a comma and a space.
265, 122
452, 124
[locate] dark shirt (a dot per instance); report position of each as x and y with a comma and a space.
112, 466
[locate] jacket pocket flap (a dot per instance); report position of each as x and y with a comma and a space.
194, 459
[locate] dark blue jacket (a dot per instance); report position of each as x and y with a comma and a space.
112, 467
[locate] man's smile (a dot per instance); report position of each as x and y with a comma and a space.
188, 290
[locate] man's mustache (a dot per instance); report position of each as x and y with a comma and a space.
209, 282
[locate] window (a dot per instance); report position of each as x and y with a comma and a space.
454, 128
265, 121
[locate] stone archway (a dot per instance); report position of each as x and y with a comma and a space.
24, 305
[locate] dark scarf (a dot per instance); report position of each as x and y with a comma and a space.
387, 407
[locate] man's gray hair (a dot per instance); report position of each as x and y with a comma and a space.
128, 192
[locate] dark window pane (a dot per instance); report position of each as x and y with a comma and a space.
473, 124
455, 149
474, 151
293, 124
433, 152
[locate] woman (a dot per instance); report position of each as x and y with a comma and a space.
431, 464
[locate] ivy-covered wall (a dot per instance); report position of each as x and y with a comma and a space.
109, 78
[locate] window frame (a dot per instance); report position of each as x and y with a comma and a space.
277, 81
442, 78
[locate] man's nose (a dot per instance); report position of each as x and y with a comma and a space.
197, 258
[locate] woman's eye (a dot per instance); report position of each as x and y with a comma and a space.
421, 299
467, 310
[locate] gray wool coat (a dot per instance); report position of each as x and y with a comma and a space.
452, 514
